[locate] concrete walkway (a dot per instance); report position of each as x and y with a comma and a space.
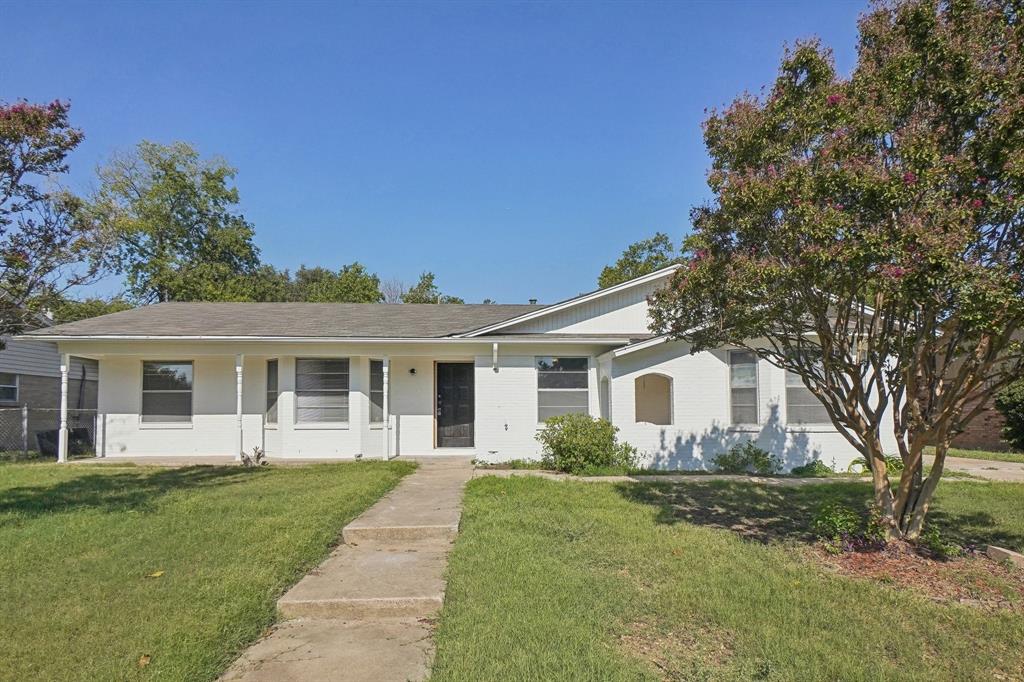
365, 612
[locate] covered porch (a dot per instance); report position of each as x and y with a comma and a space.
310, 403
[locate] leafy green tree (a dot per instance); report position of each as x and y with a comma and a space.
46, 245
1010, 402
353, 283
426, 291
866, 232
266, 283
176, 224
70, 310
639, 258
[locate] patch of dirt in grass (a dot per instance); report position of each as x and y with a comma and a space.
973, 580
676, 653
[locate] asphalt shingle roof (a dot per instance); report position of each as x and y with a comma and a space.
297, 320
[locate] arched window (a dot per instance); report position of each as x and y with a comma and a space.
653, 399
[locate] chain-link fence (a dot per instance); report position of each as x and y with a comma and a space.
32, 432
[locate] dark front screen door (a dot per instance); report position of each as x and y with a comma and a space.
454, 405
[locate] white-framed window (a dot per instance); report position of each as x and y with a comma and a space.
271, 412
8, 387
743, 387
376, 391
167, 391
653, 399
321, 390
561, 386
802, 407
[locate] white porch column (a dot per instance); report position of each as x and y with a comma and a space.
386, 409
62, 439
239, 361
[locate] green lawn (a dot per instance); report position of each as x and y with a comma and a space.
78, 542
703, 580
988, 454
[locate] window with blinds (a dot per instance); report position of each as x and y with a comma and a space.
743, 387
802, 407
321, 390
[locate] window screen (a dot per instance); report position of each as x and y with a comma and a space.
167, 392
561, 386
8, 387
271, 391
376, 391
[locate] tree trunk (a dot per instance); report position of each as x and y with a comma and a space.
882, 489
912, 522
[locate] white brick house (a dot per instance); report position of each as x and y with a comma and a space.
346, 380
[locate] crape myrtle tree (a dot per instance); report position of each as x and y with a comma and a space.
46, 245
866, 232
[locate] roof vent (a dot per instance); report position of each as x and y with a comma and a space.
533, 301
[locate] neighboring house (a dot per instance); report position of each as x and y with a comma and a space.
30, 378
308, 380
985, 432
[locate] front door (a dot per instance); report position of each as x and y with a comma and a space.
454, 408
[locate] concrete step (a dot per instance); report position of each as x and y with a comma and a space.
355, 534
372, 581
312, 649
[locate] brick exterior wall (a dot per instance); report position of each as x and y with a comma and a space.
983, 433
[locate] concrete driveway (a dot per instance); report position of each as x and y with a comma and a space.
983, 468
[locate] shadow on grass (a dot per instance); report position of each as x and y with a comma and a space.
973, 528
114, 491
767, 514
760, 513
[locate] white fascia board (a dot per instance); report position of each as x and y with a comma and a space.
579, 300
613, 340
641, 345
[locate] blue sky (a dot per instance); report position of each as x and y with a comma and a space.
511, 148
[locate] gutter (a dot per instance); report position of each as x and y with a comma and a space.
612, 340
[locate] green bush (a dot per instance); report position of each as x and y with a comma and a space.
815, 468
1010, 402
860, 465
834, 521
747, 458
932, 541
842, 529
580, 444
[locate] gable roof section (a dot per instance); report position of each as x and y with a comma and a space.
289, 320
572, 302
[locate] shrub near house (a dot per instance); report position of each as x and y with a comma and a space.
580, 444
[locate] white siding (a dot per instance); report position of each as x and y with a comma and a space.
40, 358
623, 312
30, 357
